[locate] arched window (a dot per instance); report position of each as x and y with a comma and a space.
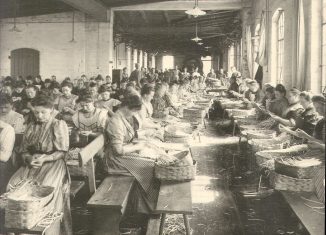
280, 46
277, 46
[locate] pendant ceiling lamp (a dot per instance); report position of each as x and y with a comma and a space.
200, 43
73, 28
14, 28
196, 39
195, 11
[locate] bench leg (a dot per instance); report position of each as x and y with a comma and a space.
162, 223
106, 222
187, 226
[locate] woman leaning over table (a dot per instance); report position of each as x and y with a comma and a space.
293, 112
121, 154
45, 143
280, 104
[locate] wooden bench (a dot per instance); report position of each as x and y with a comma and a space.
85, 159
109, 204
174, 198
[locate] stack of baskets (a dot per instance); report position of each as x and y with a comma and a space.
27, 205
182, 170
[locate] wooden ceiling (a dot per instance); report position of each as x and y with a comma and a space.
155, 30
173, 30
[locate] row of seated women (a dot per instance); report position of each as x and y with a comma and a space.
41, 155
295, 109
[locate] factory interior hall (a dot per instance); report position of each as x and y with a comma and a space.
152, 117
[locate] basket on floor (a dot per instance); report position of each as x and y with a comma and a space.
260, 134
287, 183
29, 197
319, 183
176, 172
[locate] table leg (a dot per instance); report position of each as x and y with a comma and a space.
162, 223
186, 221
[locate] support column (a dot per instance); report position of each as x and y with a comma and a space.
145, 60
135, 59
153, 65
140, 58
129, 65
111, 41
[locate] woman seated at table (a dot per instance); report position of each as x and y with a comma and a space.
7, 141
90, 118
280, 104
45, 143
293, 112
7, 115
173, 93
254, 93
121, 155
146, 112
159, 103
105, 101
66, 103
234, 86
317, 141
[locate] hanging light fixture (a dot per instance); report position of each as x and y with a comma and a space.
196, 39
195, 12
73, 28
15, 29
200, 43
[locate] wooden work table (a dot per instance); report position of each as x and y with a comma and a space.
313, 221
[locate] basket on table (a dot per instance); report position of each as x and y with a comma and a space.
194, 112
265, 158
27, 205
260, 134
265, 144
287, 183
182, 170
241, 112
319, 183
245, 120
297, 167
177, 134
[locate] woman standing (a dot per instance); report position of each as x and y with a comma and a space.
45, 143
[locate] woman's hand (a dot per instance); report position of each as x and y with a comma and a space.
302, 134
37, 163
27, 158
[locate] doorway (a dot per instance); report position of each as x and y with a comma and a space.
25, 62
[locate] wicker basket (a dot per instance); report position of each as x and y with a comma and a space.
264, 144
319, 183
176, 173
29, 197
27, 219
194, 113
281, 167
265, 160
241, 112
283, 182
260, 134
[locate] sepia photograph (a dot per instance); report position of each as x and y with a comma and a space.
162, 117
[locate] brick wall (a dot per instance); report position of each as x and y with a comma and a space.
51, 36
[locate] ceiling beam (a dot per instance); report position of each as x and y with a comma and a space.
183, 5
91, 7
